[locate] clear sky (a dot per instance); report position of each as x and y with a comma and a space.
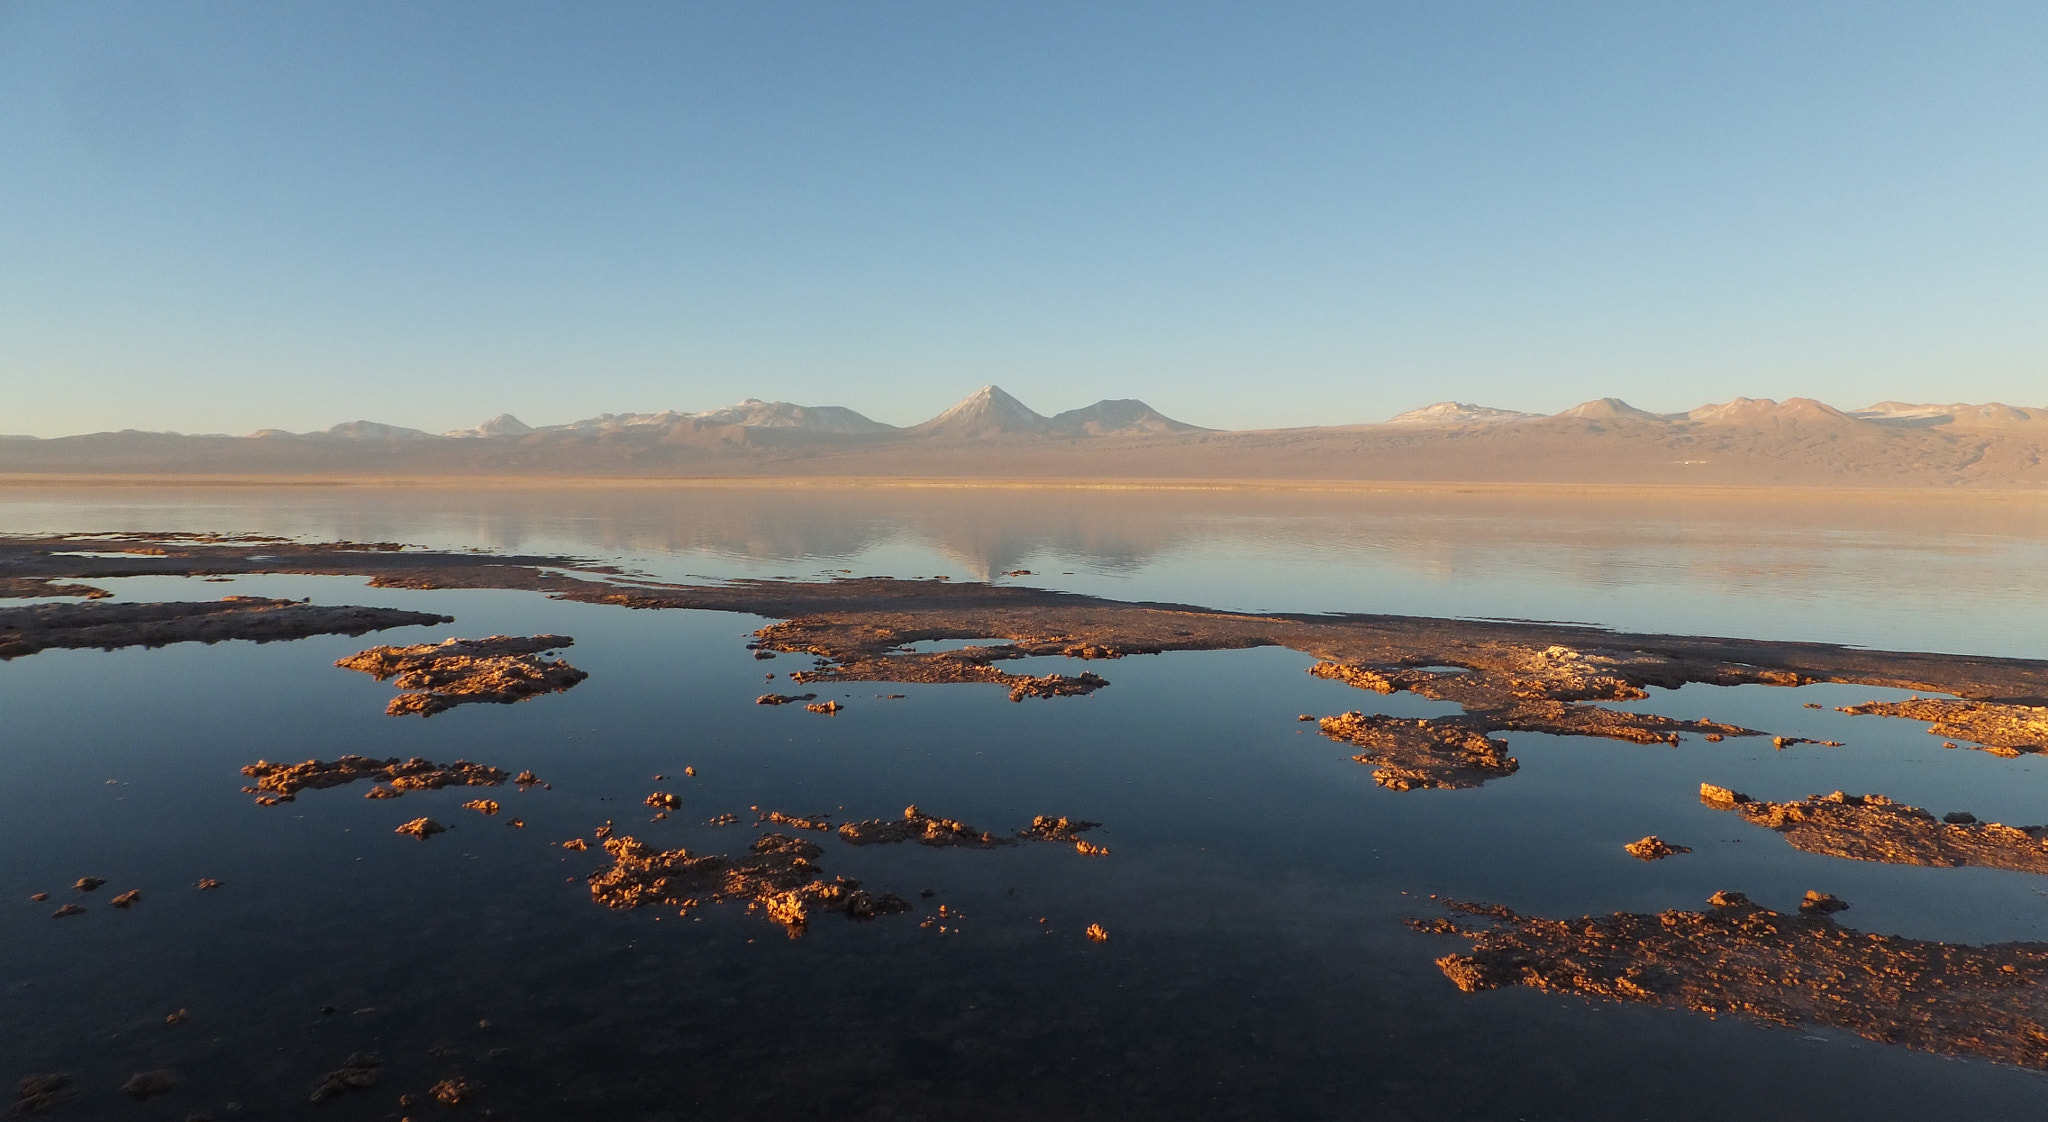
223, 216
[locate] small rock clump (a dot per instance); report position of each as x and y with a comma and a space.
922, 828
454, 1091
1056, 685
1654, 848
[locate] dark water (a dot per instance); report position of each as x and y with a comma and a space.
1256, 966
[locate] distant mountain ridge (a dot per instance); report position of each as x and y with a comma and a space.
991, 434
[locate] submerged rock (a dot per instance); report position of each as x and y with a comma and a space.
359, 1072
925, 829
149, 1084
1741, 959
108, 625
37, 1093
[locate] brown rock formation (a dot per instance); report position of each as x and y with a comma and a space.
1047, 828
1874, 828
1741, 959
1654, 848
439, 676
280, 783
777, 876
454, 1091
1406, 754
1527, 690
1998, 728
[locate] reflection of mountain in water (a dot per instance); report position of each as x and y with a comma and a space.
1865, 543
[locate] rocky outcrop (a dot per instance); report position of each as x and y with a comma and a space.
280, 783
1999, 728
777, 877
1412, 754
439, 676
1875, 828
1654, 848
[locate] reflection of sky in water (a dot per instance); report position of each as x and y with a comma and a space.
1943, 573
1256, 879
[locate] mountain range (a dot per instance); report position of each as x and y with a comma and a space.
992, 435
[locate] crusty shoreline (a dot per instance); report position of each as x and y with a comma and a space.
1505, 675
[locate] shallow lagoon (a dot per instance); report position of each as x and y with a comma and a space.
1256, 965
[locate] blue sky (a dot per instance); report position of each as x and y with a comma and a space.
222, 216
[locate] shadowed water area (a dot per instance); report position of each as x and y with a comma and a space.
1256, 879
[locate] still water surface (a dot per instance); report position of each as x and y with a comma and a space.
1256, 967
